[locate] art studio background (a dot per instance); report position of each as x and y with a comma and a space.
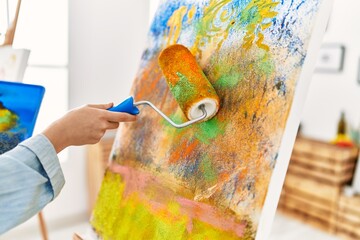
88, 52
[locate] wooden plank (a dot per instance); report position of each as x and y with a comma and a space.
353, 230
314, 202
308, 209
347, 215
349, 219
351, 204
320, 176
346, 235
323, 149
106, 147
303, 217
313, 188
97, 160
322, 164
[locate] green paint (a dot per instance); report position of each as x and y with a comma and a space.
229, 80
207, 169
119, 217
104, 218
171, 224
209, 130
206, 232
8, 119
250, 15
183, 90
265, 65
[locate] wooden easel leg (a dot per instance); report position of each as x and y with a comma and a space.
77, 237
10, 32
43, 229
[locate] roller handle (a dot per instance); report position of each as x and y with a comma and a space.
127, 106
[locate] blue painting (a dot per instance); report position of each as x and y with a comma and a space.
19, 108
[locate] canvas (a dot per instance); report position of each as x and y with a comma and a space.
219, 179
13, 63
19, 107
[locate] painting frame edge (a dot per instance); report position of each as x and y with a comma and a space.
341, 61
288, 139
358, 72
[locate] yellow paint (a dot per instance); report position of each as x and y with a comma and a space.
255, 14
175, 25
8, 119
191, 14
214, 27
211, 35
260, 43
129, 217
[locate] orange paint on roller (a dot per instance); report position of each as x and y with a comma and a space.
188, 82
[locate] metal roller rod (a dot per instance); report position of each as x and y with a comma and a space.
185, 124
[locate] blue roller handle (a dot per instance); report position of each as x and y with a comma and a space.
127, 106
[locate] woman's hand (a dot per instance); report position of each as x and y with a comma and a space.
84, 125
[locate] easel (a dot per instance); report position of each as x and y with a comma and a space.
8, 41
10, 32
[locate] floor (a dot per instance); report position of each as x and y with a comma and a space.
283, 229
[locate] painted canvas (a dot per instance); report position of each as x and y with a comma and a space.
13, 63
211, 180
19, 107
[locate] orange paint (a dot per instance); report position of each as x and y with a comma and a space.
185, 149
185, 78
150, 72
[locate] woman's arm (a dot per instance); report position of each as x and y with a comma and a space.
30, 177
30, 174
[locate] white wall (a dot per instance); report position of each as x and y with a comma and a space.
331, 93
105, 45
106, 42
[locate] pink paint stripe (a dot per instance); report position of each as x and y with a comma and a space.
140, 182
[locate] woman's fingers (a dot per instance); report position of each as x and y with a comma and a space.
112, 125
101, 106
119, 117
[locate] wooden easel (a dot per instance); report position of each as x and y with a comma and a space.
8, 41
43, 228
10, 32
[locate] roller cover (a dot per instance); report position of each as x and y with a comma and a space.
188, 82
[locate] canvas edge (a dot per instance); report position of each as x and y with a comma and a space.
288, 140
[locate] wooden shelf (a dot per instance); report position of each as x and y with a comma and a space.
97, 161
317, 173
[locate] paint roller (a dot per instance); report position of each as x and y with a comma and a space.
187, 82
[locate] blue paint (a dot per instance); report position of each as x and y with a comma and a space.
302, 2
280, 85
24, 100
165, 11
239, 5
288, 12
162, 16
190, 170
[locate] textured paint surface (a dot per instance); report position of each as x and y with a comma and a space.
208, 181
8, 119
19, 105
158, 220
185, 77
